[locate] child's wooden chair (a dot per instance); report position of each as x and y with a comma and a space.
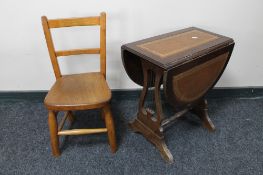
78, 91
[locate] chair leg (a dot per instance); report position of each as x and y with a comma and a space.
71, 117
110, 127
53, 129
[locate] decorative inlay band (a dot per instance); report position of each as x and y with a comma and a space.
177, 43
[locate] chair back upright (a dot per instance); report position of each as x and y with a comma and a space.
71, 22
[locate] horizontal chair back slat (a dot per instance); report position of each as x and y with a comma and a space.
77, 52
70, 22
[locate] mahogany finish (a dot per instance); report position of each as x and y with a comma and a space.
188, 63
78, 91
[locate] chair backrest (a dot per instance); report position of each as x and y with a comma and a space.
71, 22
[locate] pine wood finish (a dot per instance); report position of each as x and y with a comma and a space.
188, 63
78, 91
77, 52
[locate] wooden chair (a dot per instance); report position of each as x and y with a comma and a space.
78, 91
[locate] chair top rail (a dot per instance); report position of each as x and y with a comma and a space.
70, 22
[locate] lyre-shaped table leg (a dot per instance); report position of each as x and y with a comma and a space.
157, 139
201, 111
145, 124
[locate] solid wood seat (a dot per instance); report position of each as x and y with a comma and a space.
67, 92
78, 91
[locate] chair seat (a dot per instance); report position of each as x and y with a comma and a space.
78, 92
